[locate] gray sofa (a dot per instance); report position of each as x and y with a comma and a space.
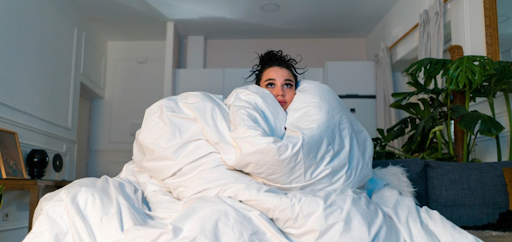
468, 194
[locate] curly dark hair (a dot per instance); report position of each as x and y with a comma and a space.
275, 58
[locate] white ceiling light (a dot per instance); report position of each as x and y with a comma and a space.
270, 7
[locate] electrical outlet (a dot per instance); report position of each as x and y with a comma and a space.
5, 216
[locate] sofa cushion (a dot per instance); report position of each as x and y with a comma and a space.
467, 194
415, 169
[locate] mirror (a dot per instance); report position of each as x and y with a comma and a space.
498, 29
505, 28
491, 29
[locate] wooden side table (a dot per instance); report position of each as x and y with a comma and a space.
35, 188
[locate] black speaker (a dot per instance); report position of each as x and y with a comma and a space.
37, 161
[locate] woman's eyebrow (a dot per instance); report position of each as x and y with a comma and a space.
269, 79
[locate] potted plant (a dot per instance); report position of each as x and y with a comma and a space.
432, 108
427, 109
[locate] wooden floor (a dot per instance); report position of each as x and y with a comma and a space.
492, 236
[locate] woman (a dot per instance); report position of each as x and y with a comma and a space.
277, 73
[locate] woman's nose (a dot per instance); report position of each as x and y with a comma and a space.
279, 92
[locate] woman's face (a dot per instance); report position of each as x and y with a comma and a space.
280, 83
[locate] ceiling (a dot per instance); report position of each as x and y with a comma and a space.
145, 20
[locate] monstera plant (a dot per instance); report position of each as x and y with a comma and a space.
435, 110
427, 107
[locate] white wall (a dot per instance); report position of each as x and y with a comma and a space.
400, 19
314, 52
46, 50
465, 16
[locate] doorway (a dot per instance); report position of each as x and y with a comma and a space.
82, 154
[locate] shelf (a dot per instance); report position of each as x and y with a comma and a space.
35, 188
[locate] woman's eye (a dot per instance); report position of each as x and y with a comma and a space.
270, 85
288, 85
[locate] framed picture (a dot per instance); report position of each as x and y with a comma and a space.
11, 160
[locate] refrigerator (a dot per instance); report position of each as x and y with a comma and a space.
354, 82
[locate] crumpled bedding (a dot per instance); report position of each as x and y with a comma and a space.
242, 169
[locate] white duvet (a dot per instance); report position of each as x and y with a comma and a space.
241, 169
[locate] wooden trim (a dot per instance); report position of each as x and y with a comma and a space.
403, 36
492, 41
409, 32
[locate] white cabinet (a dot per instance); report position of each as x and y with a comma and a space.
314, 74
236, 77
364, 110
351, 77
354, 81
205, 80
215, 81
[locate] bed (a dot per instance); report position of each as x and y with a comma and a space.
241, 169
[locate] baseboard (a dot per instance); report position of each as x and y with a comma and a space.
13, 226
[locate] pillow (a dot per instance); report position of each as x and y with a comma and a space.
507, 173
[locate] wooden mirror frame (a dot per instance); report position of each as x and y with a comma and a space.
491, 29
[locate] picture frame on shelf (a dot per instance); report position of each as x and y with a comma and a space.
12, 165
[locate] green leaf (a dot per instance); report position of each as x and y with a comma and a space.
411, 108
488, 125
399, 94
469, 72
458, 111
434, 130
475, 160
428, 66
433, 133
503, 69
381, 132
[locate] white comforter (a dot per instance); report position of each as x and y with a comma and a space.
242, 169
